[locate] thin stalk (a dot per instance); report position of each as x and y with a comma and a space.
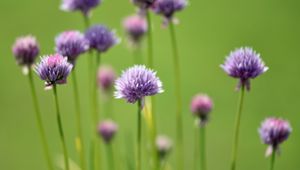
237, 128
61, 131
139, 136
273, 160
150, 41
110, 158
86, 21
179, 128
79, 141
39, 121
203, 148
197, 148
137, 56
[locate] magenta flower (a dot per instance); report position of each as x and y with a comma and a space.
201, 106
135, 27
107, 130
106, 78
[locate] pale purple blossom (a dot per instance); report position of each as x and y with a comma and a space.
107, 130
201, 106
135, 27
163, 145
79, 5
106, 78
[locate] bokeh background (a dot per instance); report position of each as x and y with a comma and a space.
207, 32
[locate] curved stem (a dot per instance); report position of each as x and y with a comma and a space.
39, 121
179, 128
61, 131
203, 148
273, 160
79, 140
237, 128
139, 136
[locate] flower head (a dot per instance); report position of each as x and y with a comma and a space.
244, 64
164, 146
136, 27
273, 132
137, 82
201, 106
101, 38
82, 5
54, 69
71, 44
106, 77
107, 130
25, 50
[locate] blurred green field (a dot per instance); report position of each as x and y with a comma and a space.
207, 32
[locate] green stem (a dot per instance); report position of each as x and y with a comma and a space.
237, 128
139, 136
60, 127
110, 158
137, 54
150, 41
203, 148
86, 21
79, 141
273, 160
197, 148
179, 135
39, 121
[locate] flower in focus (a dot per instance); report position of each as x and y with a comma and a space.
135, 27
107, 129
106, 78
71, 44
54, 69
25, 50
244, 64
273, 132
164, 146
82, 5
201, 106
136, 83
101, 38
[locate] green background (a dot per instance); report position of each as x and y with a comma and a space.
207, 32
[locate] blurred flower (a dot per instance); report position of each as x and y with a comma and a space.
164, 146
71, 44
106, 77
101, 38
143, 4
137, 82
273, 132
167, 8
54, 69
82, 5
107, 130
201, 106
136, 27
244, 64
25, 50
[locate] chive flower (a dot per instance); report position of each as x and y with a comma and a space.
107, 130
71, 44
79, 5
201, 106
136, 27
244, 64
136, 83
143, 4
106, 78
164, 146
273, 132
54, 69
101, 38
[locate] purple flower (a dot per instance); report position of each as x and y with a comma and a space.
25, 50
137, 82
244, 64
273, 132
167, 8
54, 69
106, 77
71, 44
201, 106
164, 146
107, 130
136, 27
143, 4
82, 5
101, 38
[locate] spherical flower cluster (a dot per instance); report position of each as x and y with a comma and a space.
137, 82
244, 64
273, 132
164, 146
107, 129
201, 106
82, 5
71, 44
25, 50
106, 78
136, 27
101, 38
54, 69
